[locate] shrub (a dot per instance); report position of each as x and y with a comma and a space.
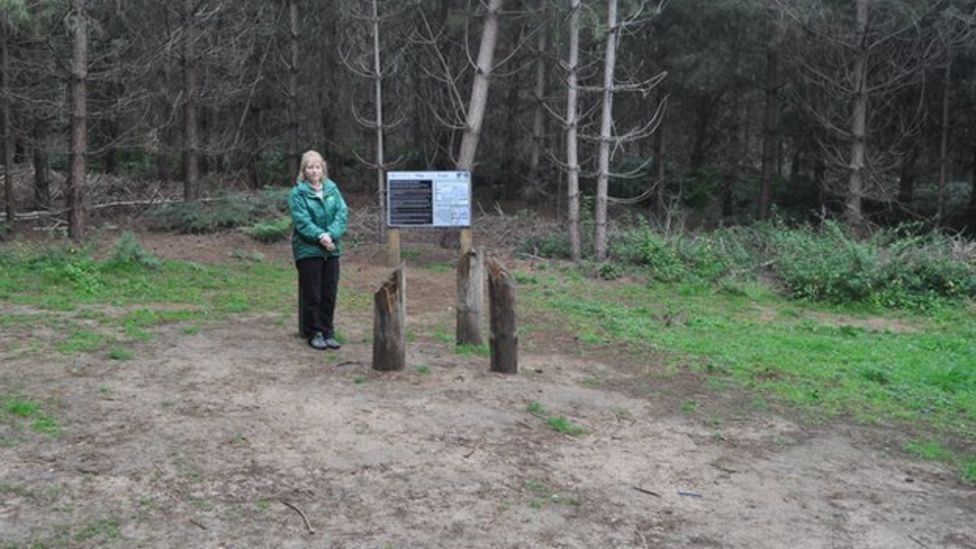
898, 267
829, 265
890, 268
228, 212
128, 253
274, 230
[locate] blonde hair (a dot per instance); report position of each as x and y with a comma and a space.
307, 157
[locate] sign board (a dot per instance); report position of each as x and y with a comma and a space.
428, 199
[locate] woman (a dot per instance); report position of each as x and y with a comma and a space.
319, 215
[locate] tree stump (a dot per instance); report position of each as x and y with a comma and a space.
504, 331
470, 296
389, 323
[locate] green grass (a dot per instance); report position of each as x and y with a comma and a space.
120, 353
558, 423
563, 425
927, 449
20, 407
898, 368
470, 349
26, 409
438, 267
69, 280
410, 253
543, 494
102, 530
689, 406
81, 341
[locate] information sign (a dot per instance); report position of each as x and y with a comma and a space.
428, 199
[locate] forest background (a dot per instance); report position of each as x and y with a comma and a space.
706, 112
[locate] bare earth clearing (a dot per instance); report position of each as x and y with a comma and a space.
199, 440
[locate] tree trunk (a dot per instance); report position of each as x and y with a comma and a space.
504, 328
606, 122
42, 186
537, 189
704, 111
378, 99
8, 149
191, 147
944, 141
770, 114
76, 184
859, 112
906, 183
479, 88
660, 149
972, 196
512, 132
293, 34
572, 119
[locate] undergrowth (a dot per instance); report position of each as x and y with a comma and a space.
902, 267
226, 212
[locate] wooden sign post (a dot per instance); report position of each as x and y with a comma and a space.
392, 247
504, 331
389, 323
470, 296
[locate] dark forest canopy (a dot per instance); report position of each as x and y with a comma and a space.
731, 109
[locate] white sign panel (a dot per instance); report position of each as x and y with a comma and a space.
428, 199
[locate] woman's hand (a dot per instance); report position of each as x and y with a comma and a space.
326, 241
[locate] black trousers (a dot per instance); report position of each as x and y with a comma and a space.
318, 279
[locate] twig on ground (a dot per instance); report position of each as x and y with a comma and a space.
197, 524
473, 450
302, 513
645, 491
916, 540
348, 363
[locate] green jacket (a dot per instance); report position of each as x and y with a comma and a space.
312, 216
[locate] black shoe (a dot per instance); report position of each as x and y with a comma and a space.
332, 343
318, 341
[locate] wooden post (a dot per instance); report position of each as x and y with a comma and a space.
466, 240
389, 323
470, 296
392, 247
504, 331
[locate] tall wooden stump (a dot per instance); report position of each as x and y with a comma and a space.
504, 331
389, 323
470, 296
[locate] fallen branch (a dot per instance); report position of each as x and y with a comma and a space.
302, 513
473, 450
644, 491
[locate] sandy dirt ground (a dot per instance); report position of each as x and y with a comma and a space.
228, 436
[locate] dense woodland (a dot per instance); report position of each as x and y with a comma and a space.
723, 110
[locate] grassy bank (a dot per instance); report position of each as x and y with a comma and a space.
895, 368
